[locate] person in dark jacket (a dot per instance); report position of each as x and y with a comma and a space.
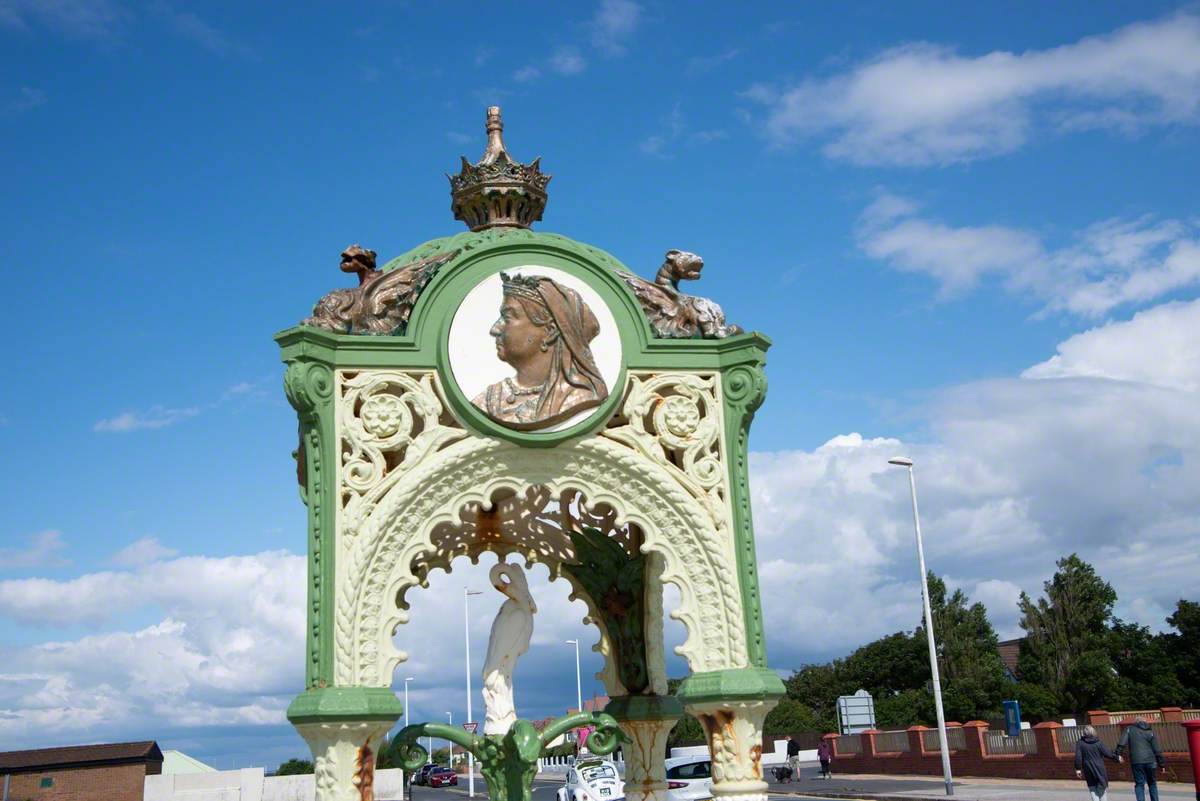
825, 754
793, 752
1090, 754
1145, 756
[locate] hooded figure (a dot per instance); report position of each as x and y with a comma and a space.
1090, 754
1145, 756
545, 332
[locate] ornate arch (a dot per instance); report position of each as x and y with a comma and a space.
658, 465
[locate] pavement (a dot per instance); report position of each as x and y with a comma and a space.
878, 788
907, 788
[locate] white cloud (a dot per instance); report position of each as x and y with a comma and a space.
190, 26
99, 20
1110, 264
701, 64
44, 550
567, 61
526, 74
28, 98
674, 133
1120, 351
1015, 474
921, 103
143, 552
613, 24
154, 417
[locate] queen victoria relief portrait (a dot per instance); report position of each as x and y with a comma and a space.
540, 369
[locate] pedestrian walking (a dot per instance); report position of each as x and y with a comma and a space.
825, 754
1090, 754
1145, 757
793, 752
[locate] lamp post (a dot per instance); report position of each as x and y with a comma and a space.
900, 461
450, 717
408, 717
467, 637
578, 689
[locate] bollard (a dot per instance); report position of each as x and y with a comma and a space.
1193, 736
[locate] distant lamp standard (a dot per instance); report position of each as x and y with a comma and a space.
900, 461
450, 717
578, 688
467, 636
408, 717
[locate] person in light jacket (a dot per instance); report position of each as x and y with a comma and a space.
1090, 754
1145, 756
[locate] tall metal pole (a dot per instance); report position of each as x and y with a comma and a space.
450, 715
933, 664
578, 690
467, 637
407, 721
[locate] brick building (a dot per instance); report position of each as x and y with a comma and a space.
105, 772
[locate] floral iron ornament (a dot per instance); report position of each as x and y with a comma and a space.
382, 301
509, 761
673, 314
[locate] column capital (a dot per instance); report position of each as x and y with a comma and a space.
732, 685
355, 704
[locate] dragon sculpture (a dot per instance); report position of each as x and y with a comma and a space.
382, 301
672, 313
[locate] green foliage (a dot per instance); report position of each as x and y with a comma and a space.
294, 767
1145, 678
789, 717
973, 679
1065, 648
1037, 702
687, 731
1183, 649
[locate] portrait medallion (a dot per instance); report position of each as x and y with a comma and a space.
534, 348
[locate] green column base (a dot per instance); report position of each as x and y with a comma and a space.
645, 707
333, 704
733, 684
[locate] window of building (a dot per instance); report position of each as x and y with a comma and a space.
47, 781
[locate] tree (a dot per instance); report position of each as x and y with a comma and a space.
1183, 649
817, 687
789, 717
1066, 636
1145, 677
294, 767
973, 681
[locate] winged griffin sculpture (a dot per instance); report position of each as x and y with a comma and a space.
672, 313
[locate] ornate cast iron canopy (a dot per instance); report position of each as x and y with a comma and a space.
498, 191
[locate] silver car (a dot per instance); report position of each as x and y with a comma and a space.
592, 780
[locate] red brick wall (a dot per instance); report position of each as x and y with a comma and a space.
116, 783
1047, 763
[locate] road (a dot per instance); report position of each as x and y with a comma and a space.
543, 790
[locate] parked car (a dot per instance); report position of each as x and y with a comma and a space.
442, 777
689, 778
592, 780
421, 774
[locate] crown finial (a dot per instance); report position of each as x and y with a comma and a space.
498, 191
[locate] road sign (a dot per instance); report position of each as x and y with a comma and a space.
471, 727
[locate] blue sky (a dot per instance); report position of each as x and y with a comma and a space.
972, 237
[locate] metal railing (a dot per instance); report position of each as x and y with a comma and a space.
1151, 715
956, 739
1171, 736
1069, 735
849, 744
891, 742
1191, 714
998, 742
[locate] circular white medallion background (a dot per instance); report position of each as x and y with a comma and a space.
472, 350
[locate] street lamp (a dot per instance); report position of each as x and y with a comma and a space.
467, 636
450, 716
407, 716
578, 690
900, 461
578, 685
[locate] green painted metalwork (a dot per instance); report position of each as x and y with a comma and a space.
332, 704
745, 387
309, 388
616, 583
508, 761
734, 684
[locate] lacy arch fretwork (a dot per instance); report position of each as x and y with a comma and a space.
405, 514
